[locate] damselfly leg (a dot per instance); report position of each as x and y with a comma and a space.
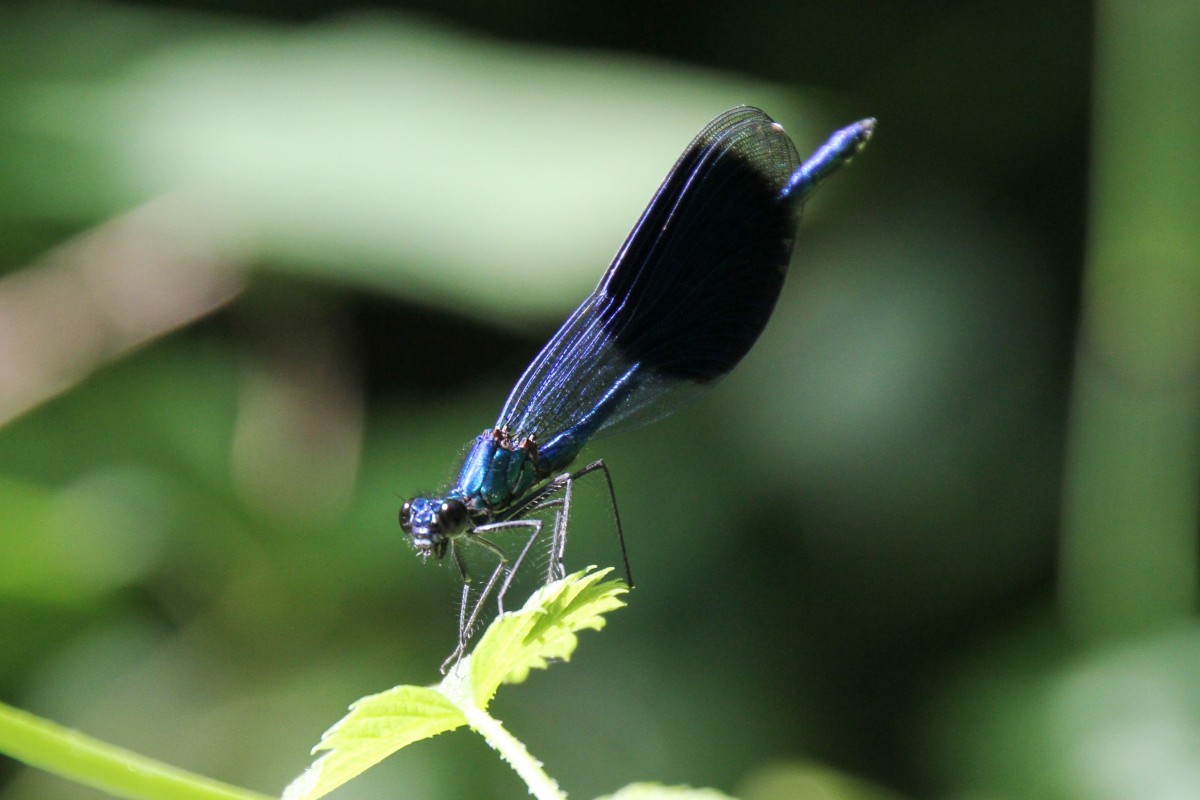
558, 495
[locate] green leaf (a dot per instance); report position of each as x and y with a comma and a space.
654, 791
545, 628
377, 726
516, 642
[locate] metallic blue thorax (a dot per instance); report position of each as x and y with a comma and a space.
499, 470
502, 468
496, 472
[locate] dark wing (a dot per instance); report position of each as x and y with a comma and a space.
686, 296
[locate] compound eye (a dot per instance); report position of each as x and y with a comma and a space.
406, 515
451, 516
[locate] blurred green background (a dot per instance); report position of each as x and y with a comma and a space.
268, 267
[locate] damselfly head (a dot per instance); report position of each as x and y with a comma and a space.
431, 523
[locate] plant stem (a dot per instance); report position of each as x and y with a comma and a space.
541, 785
1129, 558
119, 772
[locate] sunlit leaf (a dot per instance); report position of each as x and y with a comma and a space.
544, 629
516, 642
377, 726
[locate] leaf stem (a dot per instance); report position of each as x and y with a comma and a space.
541, 785
70, 754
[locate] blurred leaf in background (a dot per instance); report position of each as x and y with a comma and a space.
266, 269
